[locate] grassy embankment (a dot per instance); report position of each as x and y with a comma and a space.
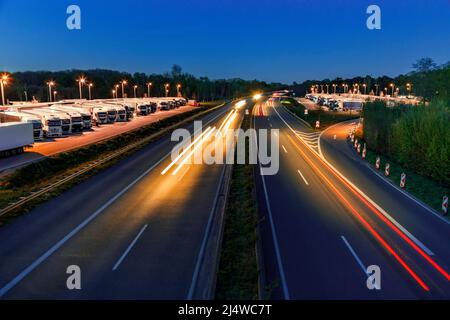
238, 271
35, 176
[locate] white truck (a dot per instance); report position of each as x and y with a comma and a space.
66, 120
14, 136
99, 114
51, 123
76, 120
85, 115
16, 116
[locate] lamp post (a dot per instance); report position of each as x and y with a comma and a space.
123, 83
376, 89
116, 90
81, 82
393, 87
54, 95
135, 88
327, 85
113, 93
409, 88
4, 81
50, 85
89, 87
178, 90
166, 86
364, 86
148, 88
334, 88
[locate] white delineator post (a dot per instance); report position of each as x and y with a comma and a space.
356, 143
359, 148
444, 205
387, 169
317, 124
377, 163
402, 180
364, 152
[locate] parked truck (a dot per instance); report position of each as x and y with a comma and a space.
51, 123
85, 114
14, 136
99, 114
16, 116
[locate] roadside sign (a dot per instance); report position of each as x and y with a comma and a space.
387, 169
377, 163
445, 205
402, 180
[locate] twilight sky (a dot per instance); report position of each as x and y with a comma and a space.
272, 40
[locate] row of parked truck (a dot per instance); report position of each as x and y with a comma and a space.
329, 102
35, 121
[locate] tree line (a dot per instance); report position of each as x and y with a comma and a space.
427, 80
29, 84
416, 137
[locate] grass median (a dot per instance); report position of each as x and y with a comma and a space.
26, 180
238, 271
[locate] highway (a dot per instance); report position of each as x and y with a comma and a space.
52, 146
135, 232
323, 222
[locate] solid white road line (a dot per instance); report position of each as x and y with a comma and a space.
301, 175
85, 222
383, 212
129, 248
284, 149
358, 260
274, 235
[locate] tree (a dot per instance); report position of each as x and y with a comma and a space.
176, 71
424, 65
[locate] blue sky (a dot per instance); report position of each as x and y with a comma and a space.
276, 40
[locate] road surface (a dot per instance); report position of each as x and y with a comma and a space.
320, 234
134, 233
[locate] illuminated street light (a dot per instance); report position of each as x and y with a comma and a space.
89, 87
327, 85
178, 90
166, 87
135, 88
123, 83
376, 88
148, 88
409, 88
4, 82
257, 96
113, 93
81, 82
365, 86
393, 87
54, 95
334, 88
50, 85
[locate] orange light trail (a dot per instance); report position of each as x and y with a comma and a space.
362, 220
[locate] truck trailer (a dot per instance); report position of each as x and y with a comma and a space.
16, 116
51, 123
14, 136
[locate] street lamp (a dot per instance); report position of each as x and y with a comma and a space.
81, 82
123, 83
178, 90
334, 88
393, 87
54, 95
89, 87
3, 82
376, 89
148, 88
364, 85
113, 93
166, 86
116, 90
135, 88
327, 88
409, 88
50, 85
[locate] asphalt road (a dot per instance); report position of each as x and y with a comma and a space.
134, 233
319, 233
53, 146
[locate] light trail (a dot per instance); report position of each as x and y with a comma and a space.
184, 151
227, 126
204, 138
361, 219
224, 121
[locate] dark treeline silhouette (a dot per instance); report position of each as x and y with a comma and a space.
427, 80
34, 83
